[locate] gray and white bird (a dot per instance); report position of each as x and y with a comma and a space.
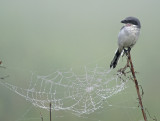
127, 37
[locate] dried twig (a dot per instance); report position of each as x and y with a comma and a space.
50, 111
133, 77
137, 86
142, 92
155, 119
122, 70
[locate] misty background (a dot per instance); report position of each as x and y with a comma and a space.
40, 36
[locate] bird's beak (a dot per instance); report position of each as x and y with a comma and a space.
123, 21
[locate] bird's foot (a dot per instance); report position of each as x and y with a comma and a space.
126, 51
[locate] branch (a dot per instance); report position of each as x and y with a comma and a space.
137, 86
50, 111
133, 77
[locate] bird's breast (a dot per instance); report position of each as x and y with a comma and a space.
128, 36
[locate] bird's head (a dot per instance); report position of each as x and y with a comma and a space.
132, 21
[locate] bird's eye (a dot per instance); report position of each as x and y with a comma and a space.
135, 23
132, 22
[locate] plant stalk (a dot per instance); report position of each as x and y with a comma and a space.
137, 87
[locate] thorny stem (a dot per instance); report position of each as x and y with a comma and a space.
122, 70
137, 86
50, 112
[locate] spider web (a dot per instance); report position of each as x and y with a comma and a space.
81, 92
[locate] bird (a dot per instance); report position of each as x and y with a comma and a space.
127, 37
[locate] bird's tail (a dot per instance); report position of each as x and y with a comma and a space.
115, 59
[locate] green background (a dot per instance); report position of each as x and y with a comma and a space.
43, 35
